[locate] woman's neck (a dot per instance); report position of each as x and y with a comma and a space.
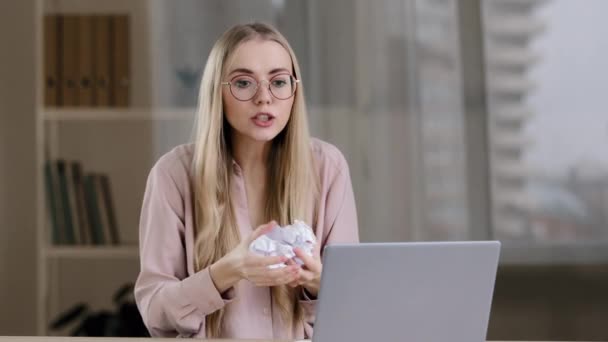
251, 155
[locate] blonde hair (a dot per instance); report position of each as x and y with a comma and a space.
291, 186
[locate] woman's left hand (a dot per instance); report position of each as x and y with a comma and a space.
310, 273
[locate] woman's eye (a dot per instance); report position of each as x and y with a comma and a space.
279, 83
242, 83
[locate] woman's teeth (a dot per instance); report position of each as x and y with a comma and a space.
263, 117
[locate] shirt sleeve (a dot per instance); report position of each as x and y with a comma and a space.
171, 303
341, 218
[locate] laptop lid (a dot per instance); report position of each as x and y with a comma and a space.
411, 291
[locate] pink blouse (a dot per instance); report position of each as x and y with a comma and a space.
173, 299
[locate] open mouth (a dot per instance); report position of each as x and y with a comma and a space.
263, 119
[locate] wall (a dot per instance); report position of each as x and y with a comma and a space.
550, 303
17, 168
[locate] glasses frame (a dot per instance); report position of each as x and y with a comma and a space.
257, 87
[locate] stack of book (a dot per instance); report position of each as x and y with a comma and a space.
86, 60
80, 205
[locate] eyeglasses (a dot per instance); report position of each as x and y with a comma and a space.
244, 88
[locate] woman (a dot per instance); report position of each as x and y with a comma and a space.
253, 164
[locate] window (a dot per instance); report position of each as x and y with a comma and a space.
546, 83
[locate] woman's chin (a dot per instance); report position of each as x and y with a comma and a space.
255, 134
263, 134
262, 137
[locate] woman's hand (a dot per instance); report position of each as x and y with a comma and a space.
255, 267
241, 263
309, 275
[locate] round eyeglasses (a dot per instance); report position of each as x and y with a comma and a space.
244, 88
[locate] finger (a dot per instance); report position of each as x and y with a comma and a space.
265, 275
306, 276
264, 261
261, 230
256, 274
289, 272
282, 280
282, 276
288, 278
310, 262
298, 281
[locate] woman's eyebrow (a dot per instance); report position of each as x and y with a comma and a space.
249, 72
241, 70
277, 70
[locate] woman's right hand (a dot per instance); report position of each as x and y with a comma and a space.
241, 263
254, 267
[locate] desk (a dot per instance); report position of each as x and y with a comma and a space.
120, 339
109, 339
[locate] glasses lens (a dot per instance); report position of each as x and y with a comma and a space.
282, 86
243, 87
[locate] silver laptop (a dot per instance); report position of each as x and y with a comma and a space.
412, 291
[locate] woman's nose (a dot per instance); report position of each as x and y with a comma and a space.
263, 94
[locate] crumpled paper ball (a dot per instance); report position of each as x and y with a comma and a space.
281, 241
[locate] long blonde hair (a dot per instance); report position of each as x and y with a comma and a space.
291, 186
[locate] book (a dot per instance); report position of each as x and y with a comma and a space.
80, 200
67, 229
54, 202
109, 208
74, 221
103, 211
93, 211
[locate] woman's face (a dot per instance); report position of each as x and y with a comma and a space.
263, 116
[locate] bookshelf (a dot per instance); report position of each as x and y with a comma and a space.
120, 139
62, 131
105, 252
141, 114
123, 255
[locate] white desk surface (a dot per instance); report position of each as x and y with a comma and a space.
116, 339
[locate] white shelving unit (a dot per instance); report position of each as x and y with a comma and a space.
142, 116
85, 252
50, 256
109, 114
166, 40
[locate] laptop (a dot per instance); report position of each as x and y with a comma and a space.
411, 291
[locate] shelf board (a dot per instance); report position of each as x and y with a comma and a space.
117, 114
92, 252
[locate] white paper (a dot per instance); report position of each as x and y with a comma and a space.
281, 241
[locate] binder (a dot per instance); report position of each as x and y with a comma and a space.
101, 60
121, 78
85, 60
51, 61
69, 53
